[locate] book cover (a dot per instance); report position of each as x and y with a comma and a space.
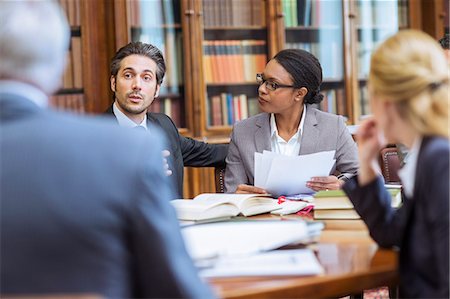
336, 214
77, 62
216, 111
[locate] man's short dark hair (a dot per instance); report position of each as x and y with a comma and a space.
140, 48
445, 41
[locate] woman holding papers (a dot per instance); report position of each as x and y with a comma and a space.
409, 97
289, 125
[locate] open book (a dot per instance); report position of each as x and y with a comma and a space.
210, 206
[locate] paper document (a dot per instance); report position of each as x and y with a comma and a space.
287, 175
277, 262
241, 238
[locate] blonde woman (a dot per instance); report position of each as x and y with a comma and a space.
409, 97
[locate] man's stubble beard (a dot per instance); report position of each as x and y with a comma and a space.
129, 109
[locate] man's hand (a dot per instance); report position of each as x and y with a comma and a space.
330, 182
242, 188
165, 154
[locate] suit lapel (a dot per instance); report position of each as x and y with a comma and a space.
308, 143
262, 133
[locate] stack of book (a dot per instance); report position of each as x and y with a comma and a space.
334, 204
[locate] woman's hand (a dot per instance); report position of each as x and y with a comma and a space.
242, 188
330, 182
370, 141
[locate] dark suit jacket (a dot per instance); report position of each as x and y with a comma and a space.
185, 151
420, 228
84, 209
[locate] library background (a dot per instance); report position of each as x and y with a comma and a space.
214, 48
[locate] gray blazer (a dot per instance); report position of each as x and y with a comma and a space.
321, 132
84, 209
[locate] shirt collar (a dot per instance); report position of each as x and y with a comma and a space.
407, 173
274, 129
25, 90
124, 121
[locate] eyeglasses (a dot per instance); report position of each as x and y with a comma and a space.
270, 85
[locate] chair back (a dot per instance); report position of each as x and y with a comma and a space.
390, 164
219, 176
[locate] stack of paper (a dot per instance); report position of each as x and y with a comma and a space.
278, 262
241, 238
287, 175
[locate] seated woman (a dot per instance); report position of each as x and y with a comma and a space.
409, 97
289, 125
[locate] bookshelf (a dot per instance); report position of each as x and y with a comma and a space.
85, 83
71, 95
317, 27
375, 21
235, 39
199, 35
342, 35
435, 17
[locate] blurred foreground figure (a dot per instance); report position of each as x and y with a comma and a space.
409, 97
84, 203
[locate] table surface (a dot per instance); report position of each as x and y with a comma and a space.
351, 260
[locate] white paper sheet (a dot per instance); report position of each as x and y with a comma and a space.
287, 175
278, 262
210, 241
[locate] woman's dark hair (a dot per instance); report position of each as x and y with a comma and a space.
305, 70
445, 42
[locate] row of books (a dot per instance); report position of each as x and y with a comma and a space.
403, 13
329, 54
68, 102
72, 8
171, 107
333, 101
155, 13
170, 43
73, 75
378, 13
312, 12
226, 109
364, 100
233, 13
335, 204
233, 61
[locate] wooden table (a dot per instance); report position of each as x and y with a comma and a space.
351, 260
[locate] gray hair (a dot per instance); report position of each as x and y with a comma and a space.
34, 38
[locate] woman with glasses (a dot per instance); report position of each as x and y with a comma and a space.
409, 97
289, 125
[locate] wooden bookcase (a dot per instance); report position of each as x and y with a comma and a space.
214, 48
86, 80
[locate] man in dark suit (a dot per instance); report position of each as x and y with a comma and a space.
137, 72
84, 204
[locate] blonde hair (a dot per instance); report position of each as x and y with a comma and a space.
411, 70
